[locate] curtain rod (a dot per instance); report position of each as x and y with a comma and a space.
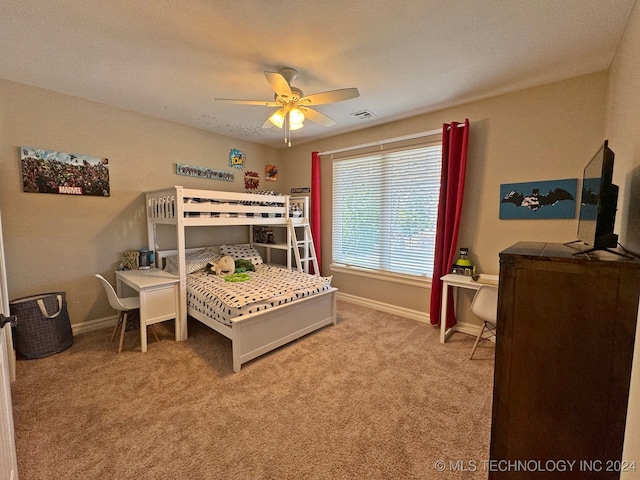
382, 142
428, 133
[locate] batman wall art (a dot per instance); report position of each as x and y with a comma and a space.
546, 199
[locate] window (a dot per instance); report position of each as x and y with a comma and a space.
385, 207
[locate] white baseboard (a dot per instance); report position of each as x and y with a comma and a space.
385, 307
473, 330
468, 328
462, 327
92, 325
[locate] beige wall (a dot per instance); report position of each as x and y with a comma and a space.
58, 242
623, 118
543, 133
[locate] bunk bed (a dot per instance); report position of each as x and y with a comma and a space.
253, 332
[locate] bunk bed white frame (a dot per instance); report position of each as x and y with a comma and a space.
257, 333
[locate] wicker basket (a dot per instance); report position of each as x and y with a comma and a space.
43, 325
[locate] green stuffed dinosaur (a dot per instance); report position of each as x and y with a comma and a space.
243, 265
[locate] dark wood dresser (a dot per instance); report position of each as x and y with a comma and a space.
564, 351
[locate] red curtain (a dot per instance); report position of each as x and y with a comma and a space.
316, 222
455, 138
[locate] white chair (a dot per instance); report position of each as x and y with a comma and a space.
485, 306
123, 305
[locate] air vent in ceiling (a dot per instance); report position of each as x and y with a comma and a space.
363, 114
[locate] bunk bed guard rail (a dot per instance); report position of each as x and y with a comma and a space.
170, 204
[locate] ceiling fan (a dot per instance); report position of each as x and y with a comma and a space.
293, 107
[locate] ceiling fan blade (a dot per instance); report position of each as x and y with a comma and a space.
331, 96
318, 117
247, 102
279, 84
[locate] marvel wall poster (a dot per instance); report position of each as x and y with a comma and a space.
48, 171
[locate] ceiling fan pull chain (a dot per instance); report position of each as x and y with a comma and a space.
287, 129
284, 127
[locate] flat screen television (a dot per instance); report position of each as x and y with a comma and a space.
599, 202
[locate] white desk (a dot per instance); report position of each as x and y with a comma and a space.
458, 281
158, 292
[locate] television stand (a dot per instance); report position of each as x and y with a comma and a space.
596, 249
546, 297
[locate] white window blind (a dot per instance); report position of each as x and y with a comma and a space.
385, 207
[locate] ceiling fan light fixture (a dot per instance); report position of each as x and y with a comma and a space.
293, 106
277, 118
296, 117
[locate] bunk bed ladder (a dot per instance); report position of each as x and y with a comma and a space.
306, 245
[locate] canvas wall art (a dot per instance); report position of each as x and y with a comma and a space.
204, 172
49, 171
251, 180
271, 173
237, 159
545, 199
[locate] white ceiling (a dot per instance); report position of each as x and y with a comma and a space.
171, 58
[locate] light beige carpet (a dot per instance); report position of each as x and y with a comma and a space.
374, 397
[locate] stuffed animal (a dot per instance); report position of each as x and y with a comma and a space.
244, 265
225, 266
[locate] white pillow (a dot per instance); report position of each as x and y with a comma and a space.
193, 261
245, 251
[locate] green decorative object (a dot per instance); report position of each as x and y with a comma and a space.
237, 277
243, 265
463, 265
